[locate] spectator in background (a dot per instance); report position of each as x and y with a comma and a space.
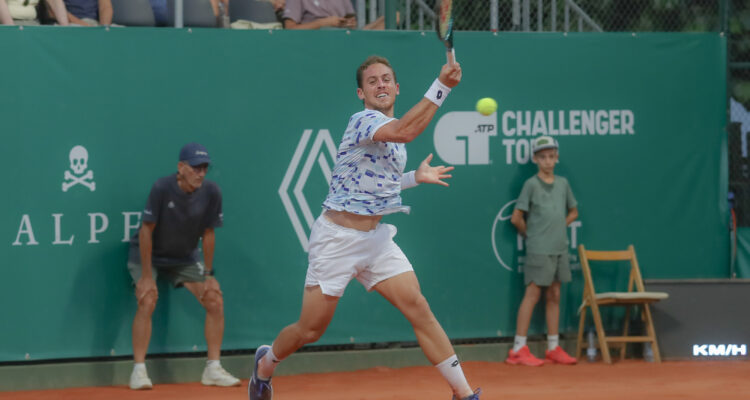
221, 11
27, 12
219, 7
278, 8
317, 14
160, 12
89, 12
5, 18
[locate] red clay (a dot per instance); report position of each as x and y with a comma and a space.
626, 380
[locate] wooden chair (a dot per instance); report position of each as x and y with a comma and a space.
636, 295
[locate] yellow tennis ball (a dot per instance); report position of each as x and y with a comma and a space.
486, 106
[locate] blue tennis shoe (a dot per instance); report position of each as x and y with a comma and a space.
259, 389
474, 396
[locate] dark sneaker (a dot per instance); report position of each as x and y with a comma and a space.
258, 389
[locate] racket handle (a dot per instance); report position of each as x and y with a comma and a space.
450, 54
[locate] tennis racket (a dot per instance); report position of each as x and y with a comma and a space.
445, 28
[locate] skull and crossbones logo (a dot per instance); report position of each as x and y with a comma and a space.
79, 158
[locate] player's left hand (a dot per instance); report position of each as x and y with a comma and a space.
428, 174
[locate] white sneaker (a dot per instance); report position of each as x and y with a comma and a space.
139, 380
215, 375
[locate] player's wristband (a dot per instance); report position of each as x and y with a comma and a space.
408, 180
437, 92
209, 272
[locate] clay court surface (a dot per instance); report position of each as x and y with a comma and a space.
709, 380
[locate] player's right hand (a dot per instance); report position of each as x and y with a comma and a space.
144, 285
450, 75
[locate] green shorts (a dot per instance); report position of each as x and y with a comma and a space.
543, 269
175, 274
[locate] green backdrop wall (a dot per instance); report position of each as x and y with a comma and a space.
640, 120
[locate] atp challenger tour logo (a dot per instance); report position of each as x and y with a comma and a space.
463, 137
299, 176
510, 252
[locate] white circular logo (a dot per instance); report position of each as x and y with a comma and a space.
504, 215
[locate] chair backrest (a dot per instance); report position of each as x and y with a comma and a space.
251, 10
133, 13
196, 13
635, 278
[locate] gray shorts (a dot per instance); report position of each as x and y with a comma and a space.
543, 269
175, 274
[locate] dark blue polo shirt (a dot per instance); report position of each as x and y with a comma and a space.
181, 219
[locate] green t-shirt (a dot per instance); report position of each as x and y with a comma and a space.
546, 205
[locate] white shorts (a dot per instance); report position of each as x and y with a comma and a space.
338, 254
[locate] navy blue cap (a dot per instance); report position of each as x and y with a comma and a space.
194, 154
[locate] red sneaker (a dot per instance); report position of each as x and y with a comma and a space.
523, 357
559, 356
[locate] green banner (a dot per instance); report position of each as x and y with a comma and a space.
91, 117
742, 263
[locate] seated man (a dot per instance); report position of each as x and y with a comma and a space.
317, 14
89, 12
221, 12
219, 7
160, 12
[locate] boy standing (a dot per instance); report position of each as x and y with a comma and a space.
544, 209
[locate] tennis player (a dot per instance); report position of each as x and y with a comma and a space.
349, 241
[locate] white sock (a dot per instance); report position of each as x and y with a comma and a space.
452, 372
211, 363
519, 342
139, 366
267, 365
552, 342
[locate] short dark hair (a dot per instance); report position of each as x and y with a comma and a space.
370, 61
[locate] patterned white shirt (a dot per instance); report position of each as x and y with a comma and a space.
367, 177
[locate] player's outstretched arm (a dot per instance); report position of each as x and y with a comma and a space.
415, 121
429, 174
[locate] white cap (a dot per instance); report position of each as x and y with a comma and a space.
542, 143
